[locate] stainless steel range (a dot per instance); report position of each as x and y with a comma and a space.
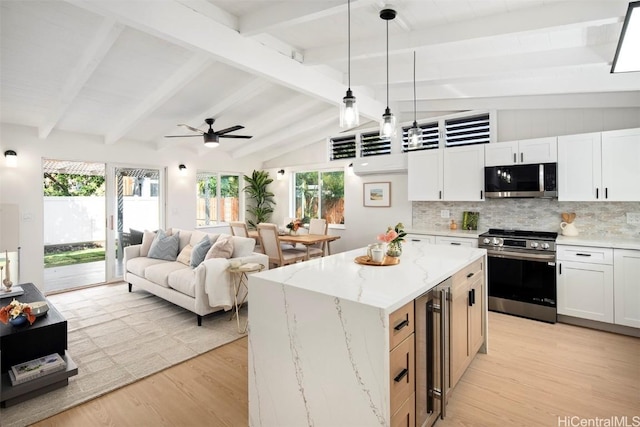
522, 272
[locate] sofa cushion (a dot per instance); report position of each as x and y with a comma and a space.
159, 273
183, 281
200, 251
185, 238
185, 255
147, 239
165, 247
139, 264
197, 236
222, 248
243, 246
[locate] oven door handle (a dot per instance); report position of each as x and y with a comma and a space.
521, 256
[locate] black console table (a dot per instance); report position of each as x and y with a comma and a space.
18, 344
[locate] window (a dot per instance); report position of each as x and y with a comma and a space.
372, 145
429, 138
218, 198
319, 194
467, 130
343, 147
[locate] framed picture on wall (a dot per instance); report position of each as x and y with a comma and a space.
377, 194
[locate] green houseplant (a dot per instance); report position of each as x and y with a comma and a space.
261, 206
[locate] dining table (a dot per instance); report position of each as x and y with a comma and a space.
306, 239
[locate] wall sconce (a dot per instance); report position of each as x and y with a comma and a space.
350, 170
11, 158
281, 174
182, 169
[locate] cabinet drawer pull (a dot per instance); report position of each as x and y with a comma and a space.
401, 375
456, 243
581, 254
470, 275
401, 325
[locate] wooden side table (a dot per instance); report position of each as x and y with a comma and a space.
240, 280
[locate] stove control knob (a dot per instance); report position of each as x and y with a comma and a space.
494, 241
486, 241
545, 246
534, 244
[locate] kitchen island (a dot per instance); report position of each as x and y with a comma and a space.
321, 334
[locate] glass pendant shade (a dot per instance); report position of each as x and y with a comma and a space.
387, 124
349, 116
415, 136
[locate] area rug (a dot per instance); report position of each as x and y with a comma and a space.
116, 338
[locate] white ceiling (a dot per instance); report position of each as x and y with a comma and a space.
132, 70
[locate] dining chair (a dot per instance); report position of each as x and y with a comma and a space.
278, 257
316, 226
239, 228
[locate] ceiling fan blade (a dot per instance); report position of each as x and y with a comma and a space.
231, 129
236, 136
191, 128
180, 136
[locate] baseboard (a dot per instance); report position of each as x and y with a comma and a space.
593, 324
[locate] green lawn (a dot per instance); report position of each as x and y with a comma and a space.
73, 257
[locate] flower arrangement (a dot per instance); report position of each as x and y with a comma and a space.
294, 225
393, 234
14, 310
393, 237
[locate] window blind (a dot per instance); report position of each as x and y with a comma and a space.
467, 130
429, 138
372, 145
343, 147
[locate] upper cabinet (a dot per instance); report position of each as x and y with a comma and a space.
453, 174
538, 150
601, 166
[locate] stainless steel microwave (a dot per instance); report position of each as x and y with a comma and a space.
535, 180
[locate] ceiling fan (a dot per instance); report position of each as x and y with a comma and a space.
211, 137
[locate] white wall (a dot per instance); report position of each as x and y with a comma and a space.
23, 185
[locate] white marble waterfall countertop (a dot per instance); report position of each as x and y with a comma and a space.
422, 266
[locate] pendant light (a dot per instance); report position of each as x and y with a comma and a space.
415, 133
388, 122
349, 116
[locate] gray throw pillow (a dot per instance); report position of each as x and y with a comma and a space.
165, 247
199, 251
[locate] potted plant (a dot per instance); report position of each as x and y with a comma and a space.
262, 203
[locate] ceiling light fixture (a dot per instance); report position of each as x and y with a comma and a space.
415, 133
388, 122
11, 158
627, 58
211, 140
349, 116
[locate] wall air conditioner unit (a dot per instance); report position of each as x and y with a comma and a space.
389, 163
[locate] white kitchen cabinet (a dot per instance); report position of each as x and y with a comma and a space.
528, 151
601, 166
621, 165
585, 282
455, 174
470, 242
426, 238
626, 287
425, 175
464, 173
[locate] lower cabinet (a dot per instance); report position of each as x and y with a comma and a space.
626, 287
467, 319
457, 241
402, 364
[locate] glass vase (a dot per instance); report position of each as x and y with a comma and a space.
394, 249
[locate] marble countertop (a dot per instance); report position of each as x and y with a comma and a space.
422, 266
601, 242
447, 232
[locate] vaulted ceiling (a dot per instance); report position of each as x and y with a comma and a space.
132, 70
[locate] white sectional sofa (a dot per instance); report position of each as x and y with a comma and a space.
203, 289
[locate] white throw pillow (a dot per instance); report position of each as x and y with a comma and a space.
185, 255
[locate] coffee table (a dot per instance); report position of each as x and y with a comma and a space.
18, 344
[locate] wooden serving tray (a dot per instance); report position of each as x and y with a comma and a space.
387, 260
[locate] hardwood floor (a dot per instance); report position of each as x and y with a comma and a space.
534, 374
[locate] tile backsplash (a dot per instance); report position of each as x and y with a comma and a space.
606, 219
